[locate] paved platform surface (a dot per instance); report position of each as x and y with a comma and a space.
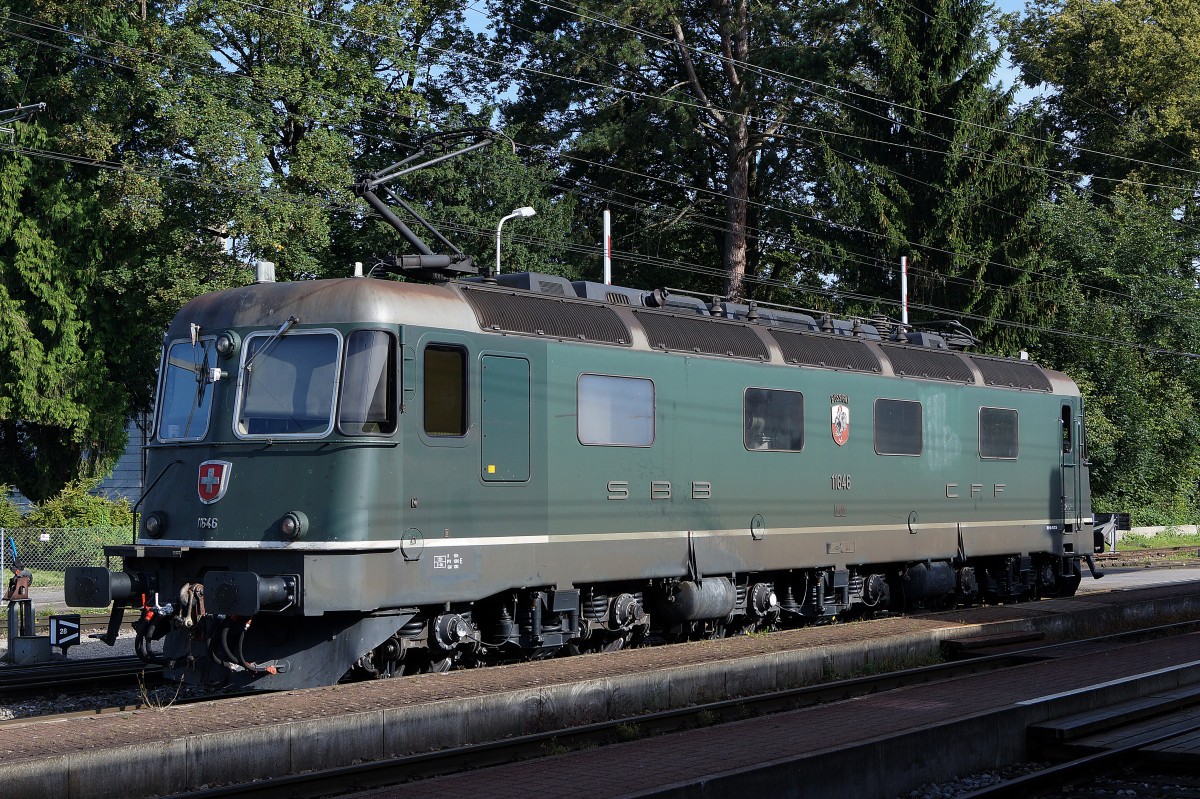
729, 759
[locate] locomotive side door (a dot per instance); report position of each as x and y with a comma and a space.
504, 418
1072, 473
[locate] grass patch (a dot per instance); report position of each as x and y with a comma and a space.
46, 578
1167, 538
629, 732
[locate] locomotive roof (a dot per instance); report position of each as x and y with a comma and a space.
337, 301
551, 307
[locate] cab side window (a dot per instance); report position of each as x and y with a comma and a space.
368, 405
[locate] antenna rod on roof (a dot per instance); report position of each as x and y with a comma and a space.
607, 247
904, 291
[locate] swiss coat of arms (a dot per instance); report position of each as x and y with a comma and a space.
213, 480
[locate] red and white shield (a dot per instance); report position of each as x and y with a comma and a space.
213, 480
840, 423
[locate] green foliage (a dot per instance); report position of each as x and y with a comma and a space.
73, 358
262, 105
76, 506
1123, 83
1121, 243
10, 514
697, 156
1167, 538
180, 142
1125, 275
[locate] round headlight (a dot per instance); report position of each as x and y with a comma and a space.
154, 524
227, 343
293, 525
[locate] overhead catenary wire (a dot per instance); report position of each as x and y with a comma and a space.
648, 260
684, 103
873, 260
767, 72
918, 245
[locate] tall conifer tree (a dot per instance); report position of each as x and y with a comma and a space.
926, 158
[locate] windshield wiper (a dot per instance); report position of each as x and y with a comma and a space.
291, 320
199, 369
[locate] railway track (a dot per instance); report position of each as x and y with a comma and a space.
94, 673
1148, 557
87, 622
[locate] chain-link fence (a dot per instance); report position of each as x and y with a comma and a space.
53, 549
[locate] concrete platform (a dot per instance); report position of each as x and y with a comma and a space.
876, 746
171, 749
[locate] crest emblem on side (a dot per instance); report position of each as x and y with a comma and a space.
840, 423
213, 480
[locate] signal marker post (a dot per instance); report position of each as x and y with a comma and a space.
64, 631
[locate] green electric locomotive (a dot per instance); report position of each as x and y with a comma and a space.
370, 475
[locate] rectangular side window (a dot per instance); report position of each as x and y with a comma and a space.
368, 405
898, 429
998, 433
615, 411
445, 387
773, 420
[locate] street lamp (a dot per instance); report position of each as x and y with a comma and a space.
518, 213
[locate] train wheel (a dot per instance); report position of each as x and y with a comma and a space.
614, 645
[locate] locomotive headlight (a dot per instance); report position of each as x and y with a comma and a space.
154, 524
228, 343
293, 525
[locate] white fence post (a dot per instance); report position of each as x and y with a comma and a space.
3, 554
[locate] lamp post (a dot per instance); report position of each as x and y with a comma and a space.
518, 213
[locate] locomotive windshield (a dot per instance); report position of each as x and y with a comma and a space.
186, 396
289, 387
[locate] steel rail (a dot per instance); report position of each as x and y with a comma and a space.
60, 674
